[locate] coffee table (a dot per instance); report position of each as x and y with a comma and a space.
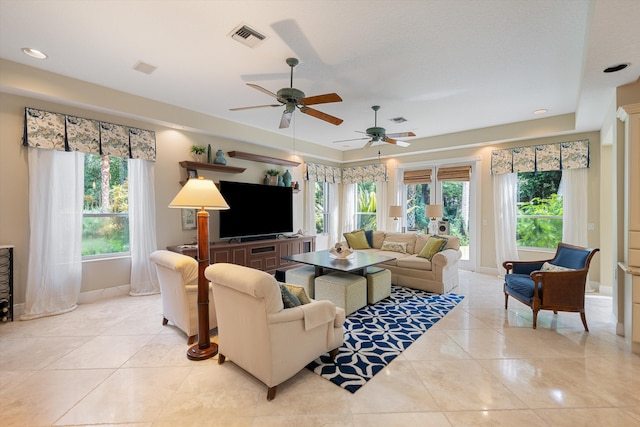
357, 263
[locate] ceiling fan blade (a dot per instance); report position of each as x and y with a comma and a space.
321, 99
368, 144
400, 134
396, 142
347, 140
263, 90
285, 120
322, 116
255, 106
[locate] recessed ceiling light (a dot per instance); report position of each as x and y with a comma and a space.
615, 68
540, 111
34, 53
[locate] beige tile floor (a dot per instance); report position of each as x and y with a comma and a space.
113, 363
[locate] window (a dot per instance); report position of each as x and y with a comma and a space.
366, 206
418, 195
105, 222
539, 215
322, 207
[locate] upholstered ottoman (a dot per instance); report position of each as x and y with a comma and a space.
302, 276
378, 284
348, 291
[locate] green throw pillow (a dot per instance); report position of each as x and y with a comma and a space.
288, 299
298, 292
357, 240
433, 246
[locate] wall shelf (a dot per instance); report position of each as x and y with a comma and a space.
263, 159
187, 164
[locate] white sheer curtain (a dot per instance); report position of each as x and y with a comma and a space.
309, 225
142, 227
334, 214
382, 209
505, 197
573, 189
348, 208
56, 194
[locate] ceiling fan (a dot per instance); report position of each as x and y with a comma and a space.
291, 98
380, 134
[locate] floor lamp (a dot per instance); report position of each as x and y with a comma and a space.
204, 195
432, 212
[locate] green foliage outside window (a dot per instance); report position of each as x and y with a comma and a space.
366, 206
321, 208
539, 214
105, 225
453, 199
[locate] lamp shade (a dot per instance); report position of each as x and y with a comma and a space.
395, 211
433, 211
199, 194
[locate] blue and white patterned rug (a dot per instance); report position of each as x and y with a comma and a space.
377, 334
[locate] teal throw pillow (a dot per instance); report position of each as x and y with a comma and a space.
369, 235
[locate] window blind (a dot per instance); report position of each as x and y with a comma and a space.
417, 176
457, 173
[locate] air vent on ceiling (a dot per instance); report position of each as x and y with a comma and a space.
143, 67
247, 35
398, 120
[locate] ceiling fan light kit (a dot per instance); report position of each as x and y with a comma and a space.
290, 98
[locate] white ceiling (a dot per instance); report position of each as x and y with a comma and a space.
444, 65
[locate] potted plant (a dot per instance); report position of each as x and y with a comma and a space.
273, 176
198, 153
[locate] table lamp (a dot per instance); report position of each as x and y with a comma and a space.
204, 195
433, 212
395, 212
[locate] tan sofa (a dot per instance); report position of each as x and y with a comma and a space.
439, 275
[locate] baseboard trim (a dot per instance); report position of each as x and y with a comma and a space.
84, 298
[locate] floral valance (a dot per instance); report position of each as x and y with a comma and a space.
367, 173
55, 131
547, 157
322, 173
332, 174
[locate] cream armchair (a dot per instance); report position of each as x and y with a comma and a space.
178, 277
262, 337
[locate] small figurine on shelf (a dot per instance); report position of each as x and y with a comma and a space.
220, 160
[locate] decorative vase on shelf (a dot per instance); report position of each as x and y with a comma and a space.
199, 157
280, 181
220, 160
273, 180
209, 154
265, 181
286, 178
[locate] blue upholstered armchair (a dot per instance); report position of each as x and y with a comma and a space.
556, 284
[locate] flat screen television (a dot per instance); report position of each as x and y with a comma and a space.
255, 210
